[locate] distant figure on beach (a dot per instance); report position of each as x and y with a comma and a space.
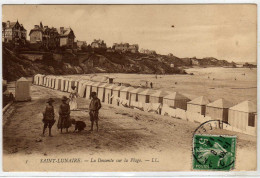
156, 76
94, 108
48, 117
73, 99
146, 84
64, 118
151, 84
11, 97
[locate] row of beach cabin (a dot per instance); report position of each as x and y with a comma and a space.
242, 117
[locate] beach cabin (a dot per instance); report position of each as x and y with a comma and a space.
133, 94
62, 84
95, 86
144, 96
116, 94
36, 79
77, 83
82, 88
157, 97
108, 93
218, 109
198, 105
71, 84
41, 77
50, 82
53, 80
101, 91
44, 80
124, 93
66, 87
58, 83
23, 90
88, 89
176, 100
243, 116
47, 81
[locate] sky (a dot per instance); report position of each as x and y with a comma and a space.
225, 32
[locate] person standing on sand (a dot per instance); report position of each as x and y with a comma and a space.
48, 117
94, 107
64, 112
151, 84
73, 99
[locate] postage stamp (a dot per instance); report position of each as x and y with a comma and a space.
214, 152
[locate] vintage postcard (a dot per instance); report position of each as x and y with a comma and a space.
129, 88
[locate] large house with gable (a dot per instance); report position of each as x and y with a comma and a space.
13, 32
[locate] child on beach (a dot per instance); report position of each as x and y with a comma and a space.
48, 117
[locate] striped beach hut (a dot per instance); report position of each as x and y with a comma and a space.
218, 109
71, 84
144, 96
41, 77
176, 100
58, 83
53, 80
88, 89
243, 115
101, 91
198, 105
66, 86
36, 79
124, 93
62, 84
49, 82
108, 93
45, 80
157, 97
82, 88
77, 83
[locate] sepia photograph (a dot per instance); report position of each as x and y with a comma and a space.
129, 88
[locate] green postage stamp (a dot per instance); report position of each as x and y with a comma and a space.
214, 152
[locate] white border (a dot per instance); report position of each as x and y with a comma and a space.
136, 174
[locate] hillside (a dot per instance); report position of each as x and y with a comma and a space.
28, 63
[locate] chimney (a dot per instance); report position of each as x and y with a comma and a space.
8, 24
36, 26
61, 30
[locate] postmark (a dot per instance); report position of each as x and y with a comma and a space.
213, 152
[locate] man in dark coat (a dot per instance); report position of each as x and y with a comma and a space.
94, 107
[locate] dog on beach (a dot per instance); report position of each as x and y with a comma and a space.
79, 125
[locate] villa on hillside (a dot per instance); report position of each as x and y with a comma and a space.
98, 44
147, 51
48, 37
81, 43
124, 47
13, 32
67, 37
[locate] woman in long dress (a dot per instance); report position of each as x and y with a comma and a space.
73, 99
64, 113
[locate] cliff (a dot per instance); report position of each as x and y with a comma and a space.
26, 63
